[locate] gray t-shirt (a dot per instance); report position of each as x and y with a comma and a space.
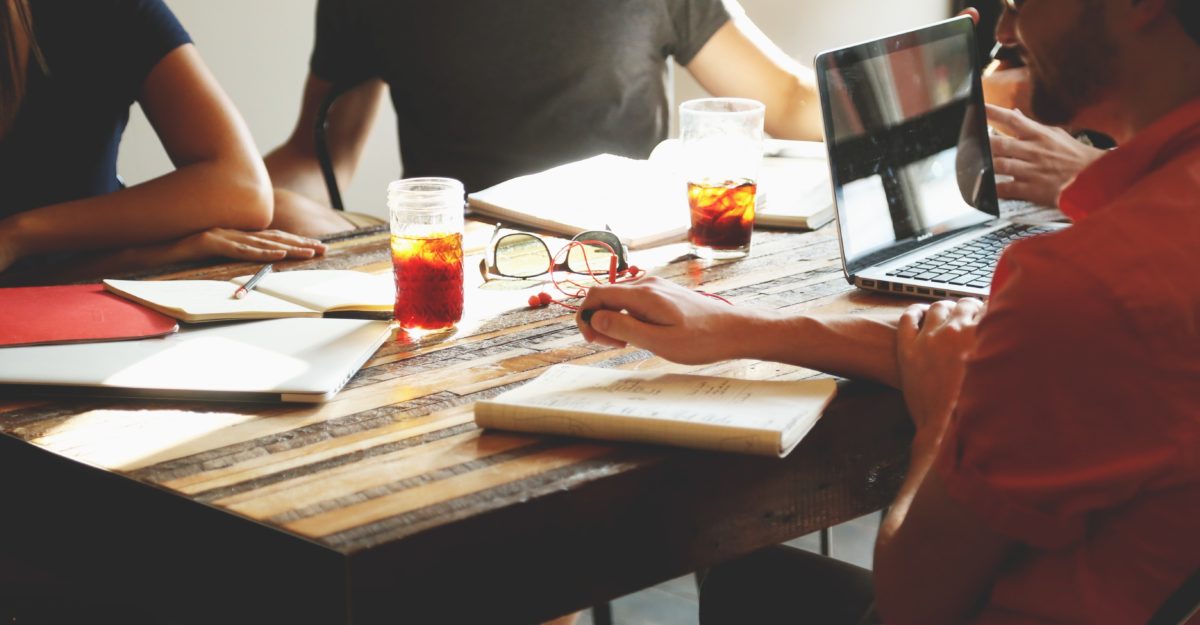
486, 90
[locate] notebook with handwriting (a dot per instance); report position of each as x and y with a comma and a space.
762, 417
305, 293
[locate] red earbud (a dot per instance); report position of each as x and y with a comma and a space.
541, 300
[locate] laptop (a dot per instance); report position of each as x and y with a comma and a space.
278, 360
911, 166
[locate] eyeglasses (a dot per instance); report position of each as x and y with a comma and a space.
1014, 5
525, 255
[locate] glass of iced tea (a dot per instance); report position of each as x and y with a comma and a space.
722, 151
427, 253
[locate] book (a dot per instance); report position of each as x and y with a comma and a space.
46, 315
794, 189
761, 417
633, 198
304, 293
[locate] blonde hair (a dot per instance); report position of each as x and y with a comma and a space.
17, 44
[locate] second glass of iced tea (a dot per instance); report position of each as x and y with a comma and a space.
722, 152
427, 254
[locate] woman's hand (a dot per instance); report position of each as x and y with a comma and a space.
260, 246
932, 344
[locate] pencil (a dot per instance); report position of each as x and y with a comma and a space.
252, 282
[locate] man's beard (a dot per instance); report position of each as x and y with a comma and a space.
1079, 67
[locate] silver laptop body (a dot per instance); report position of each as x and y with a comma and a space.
303, 360
911, 165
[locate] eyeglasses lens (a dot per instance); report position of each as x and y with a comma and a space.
522, 256
589, 257
594, 253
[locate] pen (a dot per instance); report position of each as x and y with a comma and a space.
252, 282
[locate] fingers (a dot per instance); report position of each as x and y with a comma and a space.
292, 242
1026, 190
265, 245
967, 310
937, 315
621, 329
648, 299
1004, 146
1011, 122
910, 323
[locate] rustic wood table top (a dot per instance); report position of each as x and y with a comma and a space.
387, 504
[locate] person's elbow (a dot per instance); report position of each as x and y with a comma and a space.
248, 196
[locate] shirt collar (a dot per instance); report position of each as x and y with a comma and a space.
1099, 184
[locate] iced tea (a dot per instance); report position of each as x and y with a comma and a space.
722, 215
429, 281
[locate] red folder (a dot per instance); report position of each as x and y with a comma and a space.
42, 315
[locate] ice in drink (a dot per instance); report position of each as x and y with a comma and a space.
429, 281
722, 214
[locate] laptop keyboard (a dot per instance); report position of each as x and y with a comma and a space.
970, 264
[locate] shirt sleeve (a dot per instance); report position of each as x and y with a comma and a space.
147, 32
1053, 422
694, 23
340, 54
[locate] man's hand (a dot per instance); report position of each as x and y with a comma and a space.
673, 322
932, 344
261, 246
1041, 159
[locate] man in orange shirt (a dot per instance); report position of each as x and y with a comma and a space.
1055, 473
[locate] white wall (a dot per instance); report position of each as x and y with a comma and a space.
259, 51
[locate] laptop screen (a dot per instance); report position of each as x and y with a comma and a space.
907, 138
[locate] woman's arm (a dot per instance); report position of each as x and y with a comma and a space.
219, 180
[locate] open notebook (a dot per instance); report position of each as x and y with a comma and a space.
309, 293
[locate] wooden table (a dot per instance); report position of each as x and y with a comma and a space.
388, 505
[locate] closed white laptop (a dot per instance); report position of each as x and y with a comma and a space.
291, 360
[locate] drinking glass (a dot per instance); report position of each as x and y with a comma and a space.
721, 154
427, 253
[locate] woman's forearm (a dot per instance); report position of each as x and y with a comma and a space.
196, 197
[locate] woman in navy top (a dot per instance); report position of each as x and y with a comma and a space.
69, 72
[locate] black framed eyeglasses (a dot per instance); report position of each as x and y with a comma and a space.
525, 255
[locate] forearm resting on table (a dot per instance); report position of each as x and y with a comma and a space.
852, 346
191, 199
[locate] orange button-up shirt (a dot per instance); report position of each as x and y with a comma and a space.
1077, 431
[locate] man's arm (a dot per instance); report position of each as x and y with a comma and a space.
302, 203
686, 327
740, 61
935, 561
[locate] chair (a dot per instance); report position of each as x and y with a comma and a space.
322, 147
326, 160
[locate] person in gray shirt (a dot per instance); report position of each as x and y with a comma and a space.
485, 91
